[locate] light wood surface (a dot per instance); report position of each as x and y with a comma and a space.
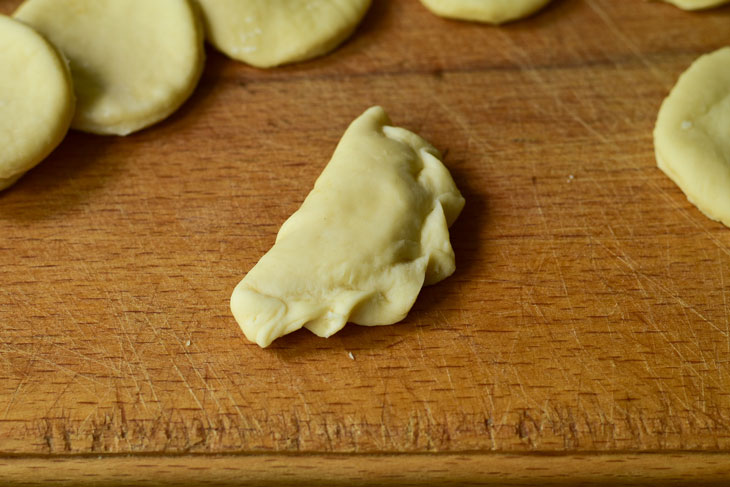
589, 311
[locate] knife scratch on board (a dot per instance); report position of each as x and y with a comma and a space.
626, 41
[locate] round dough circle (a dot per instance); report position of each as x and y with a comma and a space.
697, 4
692, 134
268, 33
133, 62
489, 11
36, 99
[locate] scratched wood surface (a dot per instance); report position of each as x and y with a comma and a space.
589, 310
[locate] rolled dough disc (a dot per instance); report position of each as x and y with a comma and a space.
697, 4
36, 99
133, 62
488, 11
267, 33
692, 134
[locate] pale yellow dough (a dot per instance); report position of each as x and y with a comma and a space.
488, 11
697, 4
371, 233
692, 134
133, 62
267, 33
36, 99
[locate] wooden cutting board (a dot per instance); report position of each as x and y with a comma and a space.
589, 313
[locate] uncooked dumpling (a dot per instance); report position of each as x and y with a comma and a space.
133, 62
697, 4
489, 11
36, 99
371, 233
267, 33
692, 134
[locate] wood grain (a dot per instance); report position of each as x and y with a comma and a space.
589, 310
402, 470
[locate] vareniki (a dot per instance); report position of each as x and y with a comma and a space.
371, 233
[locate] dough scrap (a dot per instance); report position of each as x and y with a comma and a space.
268, 33
488, 11
692, 134
36, 99
370, 234
133, 62
697, 4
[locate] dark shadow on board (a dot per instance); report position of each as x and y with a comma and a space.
61, 182
83, 163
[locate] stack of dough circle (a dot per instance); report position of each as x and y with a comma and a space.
692, 134
267, 33
36, 99
133, 62
697, 4
489, 11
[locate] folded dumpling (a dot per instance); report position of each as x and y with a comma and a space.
370, 234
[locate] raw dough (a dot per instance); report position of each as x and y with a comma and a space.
697, 4
489, 11
267, 33
371, 233
692, 134
36, 99
133, 62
